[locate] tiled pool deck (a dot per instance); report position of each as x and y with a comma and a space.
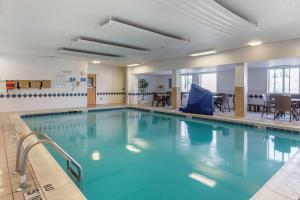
285, 184
9, 182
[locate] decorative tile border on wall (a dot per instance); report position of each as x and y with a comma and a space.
110, 93
40, 95
146, 94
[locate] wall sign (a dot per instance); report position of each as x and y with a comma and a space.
60, 80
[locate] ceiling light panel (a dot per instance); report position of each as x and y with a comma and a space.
145, 28
210, 14
88, 54
139, 35
94, 44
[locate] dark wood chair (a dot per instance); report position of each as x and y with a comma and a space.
167, 99
283, 105
156, 99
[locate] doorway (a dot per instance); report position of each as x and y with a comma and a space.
91, 90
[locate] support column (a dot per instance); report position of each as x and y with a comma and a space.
176, 90
131, 87
241, 89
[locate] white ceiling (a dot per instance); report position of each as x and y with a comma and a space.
39, 28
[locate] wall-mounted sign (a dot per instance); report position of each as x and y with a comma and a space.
72, 79
60, 80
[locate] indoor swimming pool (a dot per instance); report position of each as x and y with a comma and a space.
133, 154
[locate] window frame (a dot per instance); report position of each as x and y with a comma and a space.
283, 68
187, 86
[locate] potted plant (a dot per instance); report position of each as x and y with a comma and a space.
143, 84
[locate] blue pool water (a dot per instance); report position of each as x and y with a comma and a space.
136, 155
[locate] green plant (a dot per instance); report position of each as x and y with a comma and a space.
143, 84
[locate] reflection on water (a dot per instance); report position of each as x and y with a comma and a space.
133, 151
202, 179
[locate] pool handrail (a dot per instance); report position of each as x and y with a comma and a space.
58, 149
19, 148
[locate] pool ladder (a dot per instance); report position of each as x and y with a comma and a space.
22, 157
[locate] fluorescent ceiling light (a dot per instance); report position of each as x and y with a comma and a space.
145, 28
97, 41
202, 179
205, 52
254, 43
133, 65
80, 51
96, 155
133, 149
96, 62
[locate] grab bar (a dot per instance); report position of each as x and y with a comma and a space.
77, 175
19, 148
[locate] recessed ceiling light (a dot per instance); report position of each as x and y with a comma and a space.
254, 43
132, 65
205, 52
96, 62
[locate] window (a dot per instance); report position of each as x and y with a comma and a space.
284, 80
170, 83
209, 81
186, 81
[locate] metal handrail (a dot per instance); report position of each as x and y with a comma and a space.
19, 148
58, 149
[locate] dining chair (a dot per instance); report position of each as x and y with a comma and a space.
167, 98
156, 99
268, 105
283, 104
222, 102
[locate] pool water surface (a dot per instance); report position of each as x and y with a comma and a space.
137, 155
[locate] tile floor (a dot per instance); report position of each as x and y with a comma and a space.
9, 182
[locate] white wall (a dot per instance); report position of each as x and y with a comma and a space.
110, 80
15, 67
